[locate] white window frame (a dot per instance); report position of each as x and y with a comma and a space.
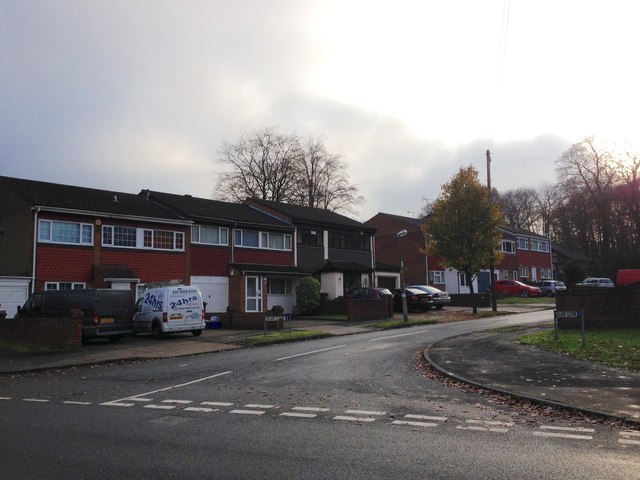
523, 243
49, 238
257, 298
437, 276
196, 235
264, 239
56, 285
177, 238
462, 279
508, 242
288, 286
524, 271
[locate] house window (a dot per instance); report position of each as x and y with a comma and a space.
462, 279
280, 286
70, 233
436, 276
348, 241
539, 246
208, 235
131, 237
310, 238
523, 243
263, 240
64, 285
507, 246
524, 271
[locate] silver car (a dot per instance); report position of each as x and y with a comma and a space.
596, 282
440, 298
550, 287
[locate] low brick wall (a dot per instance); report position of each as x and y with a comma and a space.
368, 308
249, 321
41, 334
464, 299
602, 307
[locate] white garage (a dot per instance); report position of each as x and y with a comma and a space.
215, 291
14, 291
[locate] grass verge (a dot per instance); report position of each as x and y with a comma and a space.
282, 336
401, 324
525, 300
616, 347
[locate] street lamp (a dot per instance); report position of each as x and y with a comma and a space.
403, 293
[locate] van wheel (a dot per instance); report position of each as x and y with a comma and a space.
156, 330
196, 333
115, 338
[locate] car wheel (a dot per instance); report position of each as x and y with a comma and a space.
524, 293
196, 333
156, 330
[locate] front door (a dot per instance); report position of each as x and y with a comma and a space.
253, 297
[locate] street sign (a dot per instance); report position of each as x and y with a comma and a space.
568, 314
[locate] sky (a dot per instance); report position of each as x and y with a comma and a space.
126, 95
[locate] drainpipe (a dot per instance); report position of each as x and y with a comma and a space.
35, 245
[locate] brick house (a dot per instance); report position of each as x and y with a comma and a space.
336, 249
527, 257
241, 258
59, 236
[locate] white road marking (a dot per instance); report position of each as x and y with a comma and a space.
201, 409
257, 405
311, 409
179, 402
160, 407
171, 387
353, 419
5, 398
414, 424
399, 335
298, 415
70, 402
309, 353
247, 412
627, 438
563, 435
364, 412
426, 417
567, 429
478, 428
41, 400
491, 423
117, 404
217, 404
140, 399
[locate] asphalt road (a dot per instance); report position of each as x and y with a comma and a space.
345, 407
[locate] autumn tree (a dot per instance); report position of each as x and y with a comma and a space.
463, 226
268, 165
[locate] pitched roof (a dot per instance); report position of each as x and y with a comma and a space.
310, 215
84, 200
521, 231
417, 222
214, 211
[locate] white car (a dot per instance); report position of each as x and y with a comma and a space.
596, 282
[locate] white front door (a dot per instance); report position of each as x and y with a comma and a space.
253, 300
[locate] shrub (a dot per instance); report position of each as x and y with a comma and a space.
307, 296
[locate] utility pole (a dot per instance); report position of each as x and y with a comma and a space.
494, 305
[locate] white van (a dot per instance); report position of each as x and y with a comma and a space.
175, 308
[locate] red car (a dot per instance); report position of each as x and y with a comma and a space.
516, 288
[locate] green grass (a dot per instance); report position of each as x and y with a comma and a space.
530, 300
321, 317
616, 347
401, 324
282, 336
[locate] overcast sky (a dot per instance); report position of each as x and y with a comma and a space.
131, 94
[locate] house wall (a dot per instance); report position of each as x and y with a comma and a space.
209, 260
16, 236
310, 259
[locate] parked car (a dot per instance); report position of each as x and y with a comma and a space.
596, 282
440, 298
384, 292
105, 313
516, 288
416, 300
550, 287
367, 292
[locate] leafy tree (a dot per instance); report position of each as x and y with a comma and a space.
462, 228
268, 165
307, 295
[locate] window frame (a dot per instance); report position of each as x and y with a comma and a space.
145, 238
264, 240
83, 229
222, 231
74, 285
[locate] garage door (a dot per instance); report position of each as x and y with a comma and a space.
215, 291
13, 294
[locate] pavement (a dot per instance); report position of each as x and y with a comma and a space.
488, 359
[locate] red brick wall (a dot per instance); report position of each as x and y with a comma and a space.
150, 266
62, 263
602, 307
368, 309
259, 256
210, 261
41, 334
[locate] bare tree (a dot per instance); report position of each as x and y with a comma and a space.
286, 168
519, 207
261, 164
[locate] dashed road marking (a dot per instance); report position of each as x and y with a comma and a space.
257, 405
298, 415
486, 426
311, 409
117, 404
426, 417
160, 407
364, 412
140, 399
567, 429
5, 398
414, 423
629, 438
71, 402
353, 419
217, 404
309, 353
37, 400
178, 402
551, 431
201, 409
247, 412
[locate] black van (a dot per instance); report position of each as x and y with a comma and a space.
105, 312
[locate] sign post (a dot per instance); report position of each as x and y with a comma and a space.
569, 314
